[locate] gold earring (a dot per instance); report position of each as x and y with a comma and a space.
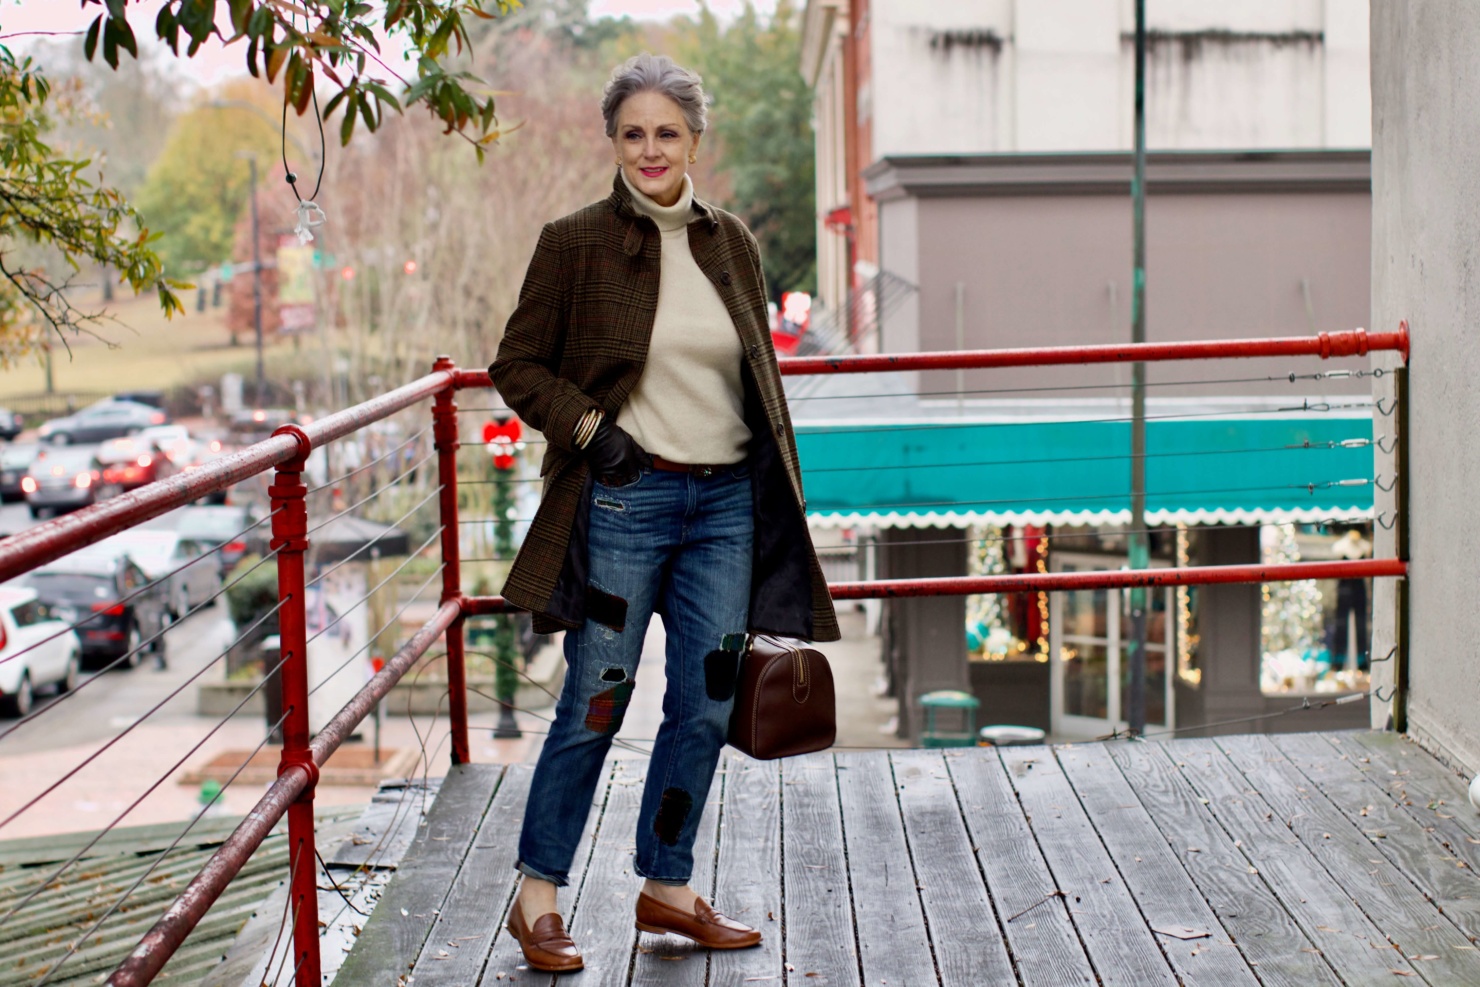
619, 162
692, 158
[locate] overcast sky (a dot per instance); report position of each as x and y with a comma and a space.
212, 64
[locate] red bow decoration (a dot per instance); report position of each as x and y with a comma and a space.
502, 439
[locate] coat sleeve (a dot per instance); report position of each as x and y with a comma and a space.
526, 368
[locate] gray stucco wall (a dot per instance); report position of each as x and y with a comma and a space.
1426, 268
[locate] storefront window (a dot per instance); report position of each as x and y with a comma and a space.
1012, 626
1315, 633
1189, 668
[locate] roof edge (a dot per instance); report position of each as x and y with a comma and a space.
1109, 173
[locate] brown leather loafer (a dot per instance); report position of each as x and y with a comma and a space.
704, 925
546, 947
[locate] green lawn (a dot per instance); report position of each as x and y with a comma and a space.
147, 351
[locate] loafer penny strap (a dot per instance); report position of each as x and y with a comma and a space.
549, 933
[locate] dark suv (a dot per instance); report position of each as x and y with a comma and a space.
101, 582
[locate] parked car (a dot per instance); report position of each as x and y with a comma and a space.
65, 479
133, 461
174, 441
99, 579
155, 399
36, 650
223, 529
15, 460
11, 424
206, 450
160, 554
107, 419
255, 424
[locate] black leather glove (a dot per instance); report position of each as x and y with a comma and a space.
615, 456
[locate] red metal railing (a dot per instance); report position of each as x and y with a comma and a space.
291, 795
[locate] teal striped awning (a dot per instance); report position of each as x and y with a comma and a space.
1029, 471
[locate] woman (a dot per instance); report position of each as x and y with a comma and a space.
640, 348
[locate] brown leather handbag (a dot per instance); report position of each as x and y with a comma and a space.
784, 704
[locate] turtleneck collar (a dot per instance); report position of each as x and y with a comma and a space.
668, 218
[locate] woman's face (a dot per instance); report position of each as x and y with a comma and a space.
653, 144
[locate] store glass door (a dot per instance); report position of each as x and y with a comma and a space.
1090, 639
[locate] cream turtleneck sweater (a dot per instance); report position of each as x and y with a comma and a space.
689, 405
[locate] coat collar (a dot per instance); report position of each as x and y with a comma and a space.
621, 202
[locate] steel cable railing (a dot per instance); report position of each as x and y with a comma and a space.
377, 539
89, 759
140, 591
394, 620
361, 601
144, 644
118, 903
291, 793
58, 872
343, 478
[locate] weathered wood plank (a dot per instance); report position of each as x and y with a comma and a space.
505, 957
893, 944
1040, 935
1439, 951
1266, 934
748, 875
819, 917
458, 945
963, 927
1152, 871
602, 922
1421, 786
1441, 875
1121, 947
1326, 914
397, 929
386, 828
653, 966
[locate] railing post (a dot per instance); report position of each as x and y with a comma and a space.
1400, 662
290, 541
444, 434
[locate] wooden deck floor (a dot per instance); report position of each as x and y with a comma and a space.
1307, 859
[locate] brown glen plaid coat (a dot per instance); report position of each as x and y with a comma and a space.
579, 339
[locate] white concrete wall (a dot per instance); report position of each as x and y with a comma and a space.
1425, 240
832, 187
972, 76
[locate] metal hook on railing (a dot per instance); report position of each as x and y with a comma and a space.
1392, 694
1387, 657
1386, 525
1387, 412
1377, 481
1393, 439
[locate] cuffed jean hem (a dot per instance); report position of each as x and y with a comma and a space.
672, 882
529, 871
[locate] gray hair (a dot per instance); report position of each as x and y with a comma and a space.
647, 73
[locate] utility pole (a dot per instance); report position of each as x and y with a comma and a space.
1139, 542
257, 284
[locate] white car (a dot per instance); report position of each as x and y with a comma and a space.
26, 623
164, 553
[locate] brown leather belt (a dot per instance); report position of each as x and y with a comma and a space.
701, 470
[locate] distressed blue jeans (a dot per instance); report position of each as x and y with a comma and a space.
678, 544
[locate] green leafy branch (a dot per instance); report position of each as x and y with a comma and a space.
336, 41
46, 199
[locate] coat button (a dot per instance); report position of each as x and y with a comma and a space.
755, 352
724, 277
780, 429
